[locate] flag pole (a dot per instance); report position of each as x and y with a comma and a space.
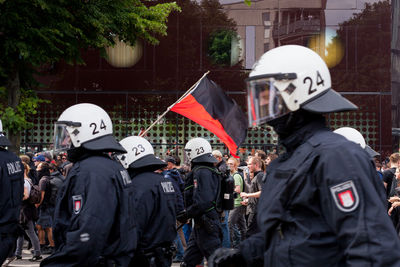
177, 101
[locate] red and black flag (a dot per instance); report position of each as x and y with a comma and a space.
208, 105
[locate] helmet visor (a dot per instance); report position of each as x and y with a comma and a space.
264, 101
62, 140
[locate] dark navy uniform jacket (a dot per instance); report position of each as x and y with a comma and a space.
93, 215
11, 191
201, 191
154, 209
322, 205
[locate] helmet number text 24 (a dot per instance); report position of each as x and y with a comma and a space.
138, 149
310, 80
199, 150
94, 125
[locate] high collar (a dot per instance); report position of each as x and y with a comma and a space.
303, 134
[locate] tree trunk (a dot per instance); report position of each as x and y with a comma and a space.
14, 94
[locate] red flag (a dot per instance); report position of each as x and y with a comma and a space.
209, 106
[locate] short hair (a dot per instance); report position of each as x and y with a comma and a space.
217, 153
48, 155
272, 156
394, 158
25, 159
170, 159
259, 162
53, 167
235, 160
177, 160
261, 154
45, 165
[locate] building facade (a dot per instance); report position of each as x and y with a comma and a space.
226, 37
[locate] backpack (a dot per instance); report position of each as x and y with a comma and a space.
34, 196
224, 199
55, 184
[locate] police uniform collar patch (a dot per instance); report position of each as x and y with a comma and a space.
345, 196
77, 203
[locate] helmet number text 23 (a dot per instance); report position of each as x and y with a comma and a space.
319, 82
199, 150
138, 149
94, 125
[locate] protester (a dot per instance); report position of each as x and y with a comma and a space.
27, 217
46, 209
237, 222
250, 199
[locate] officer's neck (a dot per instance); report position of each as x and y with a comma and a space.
302, 134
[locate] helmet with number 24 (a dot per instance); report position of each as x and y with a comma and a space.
85, 125
289, 78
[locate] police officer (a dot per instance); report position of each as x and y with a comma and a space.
202, 202
11, 193
92, 223
321, 204
153, 202
353, 135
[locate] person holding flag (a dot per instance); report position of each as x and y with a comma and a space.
321, 204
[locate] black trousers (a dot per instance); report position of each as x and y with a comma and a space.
7, 246
202, 243
252, 226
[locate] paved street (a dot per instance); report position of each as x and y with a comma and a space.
26, 255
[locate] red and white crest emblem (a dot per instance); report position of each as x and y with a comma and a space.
345, 196
77, 203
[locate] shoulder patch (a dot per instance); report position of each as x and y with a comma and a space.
167, 187
125, 177
77, 203
14, 167
345, 196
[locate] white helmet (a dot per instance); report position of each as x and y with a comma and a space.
85, 125
288, 78
351, 134
3, 140
355, 136
199, 150
140, 153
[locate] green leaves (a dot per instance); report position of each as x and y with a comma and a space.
16, 120
34, 33
219, 48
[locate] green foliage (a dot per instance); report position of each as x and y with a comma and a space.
15, 120
45, 31
35, 33
219, 49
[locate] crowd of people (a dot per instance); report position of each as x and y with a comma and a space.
321, 202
